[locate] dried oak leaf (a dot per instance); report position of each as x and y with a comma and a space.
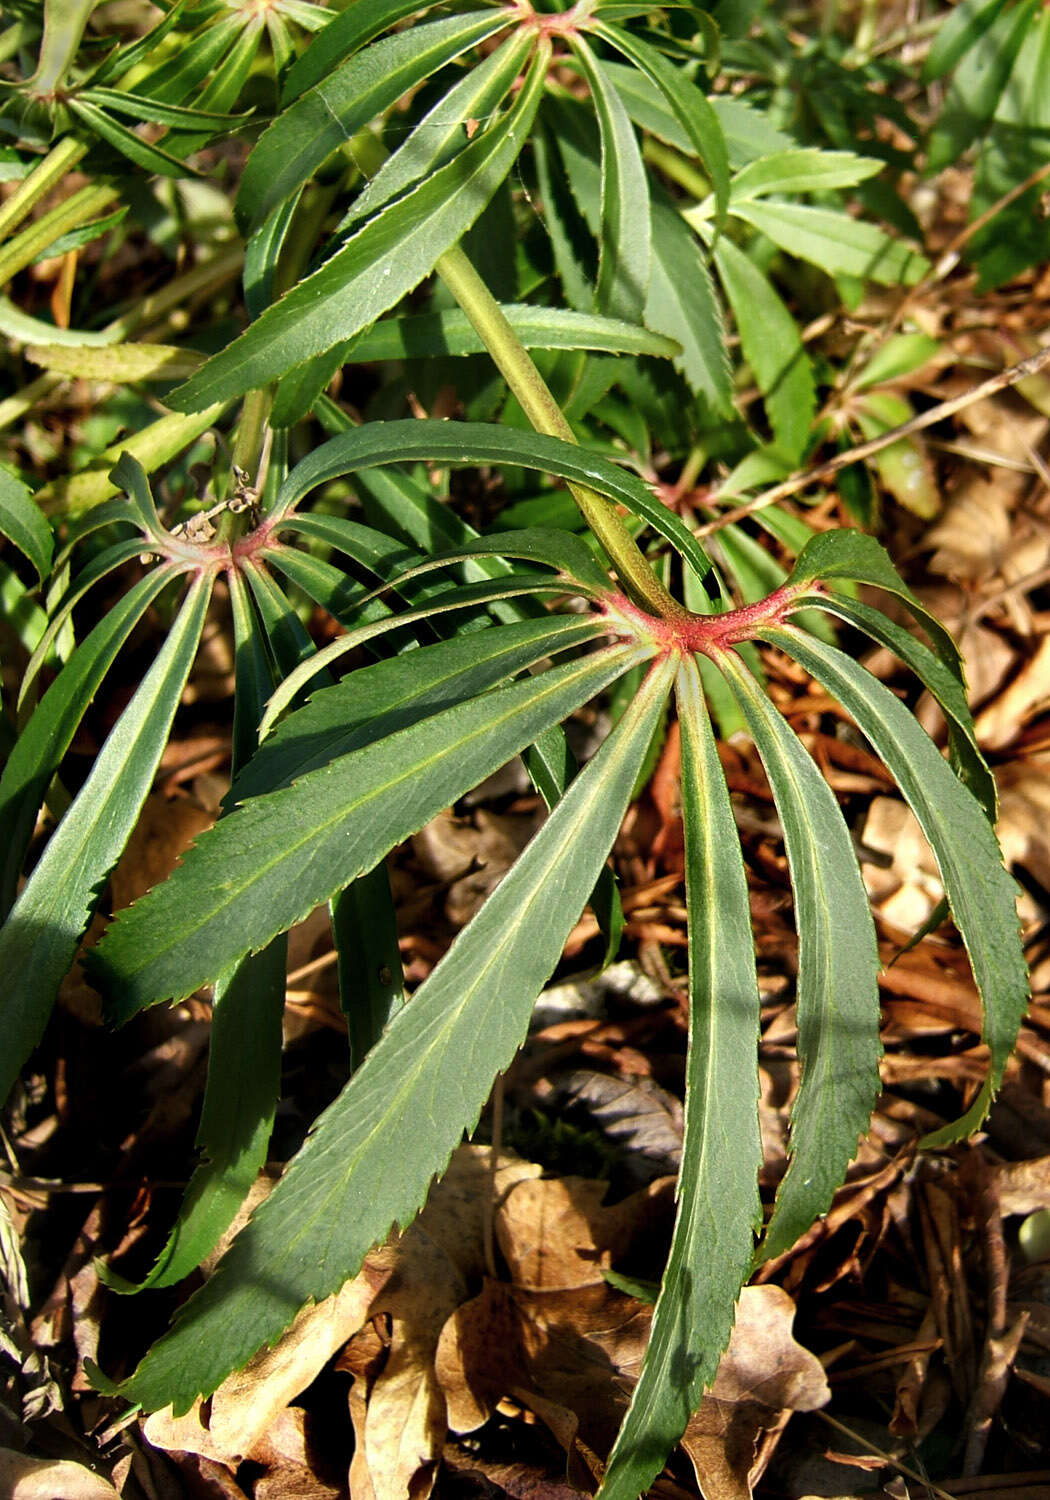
25, 1478
763, 1374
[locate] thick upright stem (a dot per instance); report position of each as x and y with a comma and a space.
515, 365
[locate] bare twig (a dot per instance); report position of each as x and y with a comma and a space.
805, 477
1002, 1340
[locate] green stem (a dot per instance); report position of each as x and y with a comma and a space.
47, 172
536, 401
32, 242
678, 169
251, 430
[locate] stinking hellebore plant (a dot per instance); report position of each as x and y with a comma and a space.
483, 646
367, 760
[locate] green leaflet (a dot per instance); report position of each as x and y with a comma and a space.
244, 1049
141, 153
681, 303
345, 33
978, 87
980, 892
442, 131
377, 700
38, 751
449, 332
425, 1080
957, 33
802, 171
482, 443
273, 860
387, 258
772, 347
59, 609
293, 147
690, 107
23, 524
853, 557
838, 244
40, 936
380, 619
718, 1204
624, 230
838, 966
970, 765
140, 107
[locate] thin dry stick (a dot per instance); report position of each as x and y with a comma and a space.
489, 1209
1001, 1340
805, 477
895, 1463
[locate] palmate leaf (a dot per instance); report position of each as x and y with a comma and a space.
273, 860
838, 966
718, 1203
426, 1080
387, 258
980, 892
40, 936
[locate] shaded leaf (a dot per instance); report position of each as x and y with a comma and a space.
838, 965
980, 892
718, 1204
23, 524
40, 937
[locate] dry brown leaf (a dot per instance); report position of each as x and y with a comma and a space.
1024, 815
286, 1452
248, 1403
1004, 718
25, 1478
1023, 1186
973, 536
555, 1233
763, 1374
471, 857
429, 1271
166, 828
908, 888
